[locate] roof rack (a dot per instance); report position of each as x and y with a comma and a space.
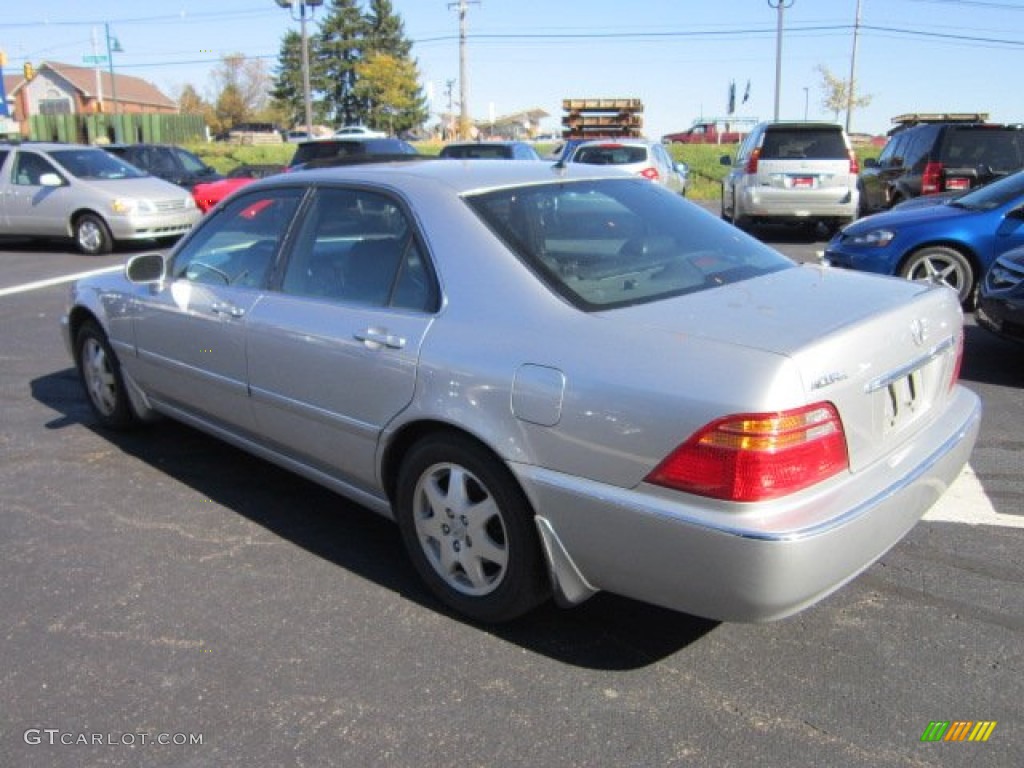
913, 118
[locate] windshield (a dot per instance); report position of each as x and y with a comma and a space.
993, 195
617, 242
191, 163
95, 164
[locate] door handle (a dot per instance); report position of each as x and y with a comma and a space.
376, 336
226, 309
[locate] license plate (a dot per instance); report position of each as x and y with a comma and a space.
903, 399
802, 182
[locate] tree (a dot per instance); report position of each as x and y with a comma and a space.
242, 88
836, 91
389, 88
190, 102
385, 30
287, 93
230, 109
340, 46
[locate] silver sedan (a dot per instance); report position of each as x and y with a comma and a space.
556, 380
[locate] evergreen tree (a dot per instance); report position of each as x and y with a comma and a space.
287, 93
385, 31
340, 46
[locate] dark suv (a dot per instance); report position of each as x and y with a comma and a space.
320, 152
927, 154
167, 162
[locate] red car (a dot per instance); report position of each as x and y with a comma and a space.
210, 193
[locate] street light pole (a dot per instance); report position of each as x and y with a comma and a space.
780, 5
312, 5
115, 108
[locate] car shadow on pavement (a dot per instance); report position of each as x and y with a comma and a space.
796, 234
607, 632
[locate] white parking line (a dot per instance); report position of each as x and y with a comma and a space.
56, 281
966, 502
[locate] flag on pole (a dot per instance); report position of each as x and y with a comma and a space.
746, 93
732, 97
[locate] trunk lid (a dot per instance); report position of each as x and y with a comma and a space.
882, 350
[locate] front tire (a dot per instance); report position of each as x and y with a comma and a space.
469, 530
92, 235
100, 373
943, 265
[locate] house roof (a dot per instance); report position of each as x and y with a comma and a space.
129, 88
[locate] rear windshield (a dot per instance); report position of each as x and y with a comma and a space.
617, 242
810, 144
998, 149
478, 151
327, 148
610, 154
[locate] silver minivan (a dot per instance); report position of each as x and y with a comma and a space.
792, 172
87, 194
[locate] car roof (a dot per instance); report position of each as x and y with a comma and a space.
49, 146
461, 178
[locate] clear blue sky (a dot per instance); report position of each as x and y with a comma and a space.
678, 56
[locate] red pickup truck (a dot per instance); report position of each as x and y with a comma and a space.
713, 131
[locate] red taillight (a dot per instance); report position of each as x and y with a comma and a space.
958, 362
758, 456
751, 166
931, 179
854, 165
650, 173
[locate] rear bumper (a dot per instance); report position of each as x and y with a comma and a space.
761, 202
708, 559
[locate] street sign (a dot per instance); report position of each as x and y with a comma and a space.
94, 59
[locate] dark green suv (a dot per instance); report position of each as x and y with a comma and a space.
928, 154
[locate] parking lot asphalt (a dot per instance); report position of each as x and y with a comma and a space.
170, 601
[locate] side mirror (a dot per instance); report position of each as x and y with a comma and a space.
51, 180
725, 160
871, 162
145, 268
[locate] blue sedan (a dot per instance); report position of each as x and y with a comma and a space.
952, 244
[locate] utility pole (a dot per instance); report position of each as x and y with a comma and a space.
780, 5
464, 121
850, 96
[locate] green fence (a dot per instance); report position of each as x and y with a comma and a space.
108, 129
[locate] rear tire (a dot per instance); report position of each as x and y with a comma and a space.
469, 529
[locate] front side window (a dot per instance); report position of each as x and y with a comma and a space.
29, 169
239, 244
612, 243
358, 247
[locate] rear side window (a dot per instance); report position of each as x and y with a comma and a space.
804, 144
